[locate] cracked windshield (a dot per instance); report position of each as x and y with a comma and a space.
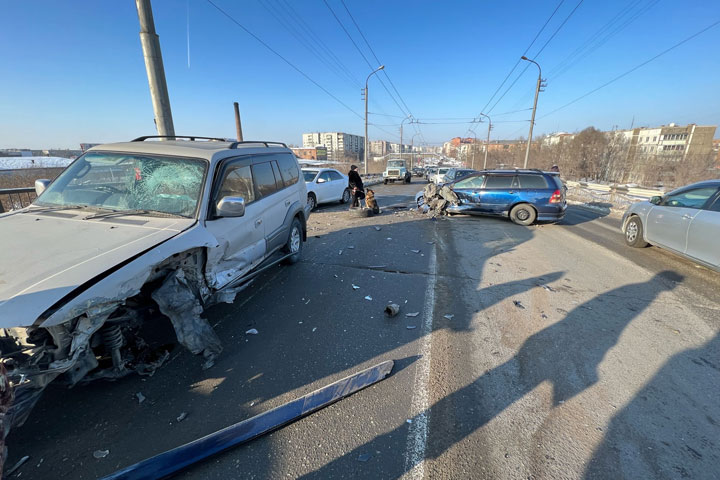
129, 182
360, 239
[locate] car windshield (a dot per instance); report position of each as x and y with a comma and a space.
395, 164
309, 175
129, 182
443, 171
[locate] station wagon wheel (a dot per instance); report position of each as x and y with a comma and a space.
634, 233
312, 201
294, 243
523, 214
345, 196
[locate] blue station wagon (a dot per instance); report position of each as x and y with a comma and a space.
525, 196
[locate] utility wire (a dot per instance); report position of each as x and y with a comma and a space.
524, 53
232, 19
634, 68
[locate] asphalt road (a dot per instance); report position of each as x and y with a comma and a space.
550, 351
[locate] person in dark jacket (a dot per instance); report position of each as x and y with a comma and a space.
355, 185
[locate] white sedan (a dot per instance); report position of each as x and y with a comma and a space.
325, 185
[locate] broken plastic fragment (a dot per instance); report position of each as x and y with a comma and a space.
415, 251
410, 327
368, 297
518, 304
101, 453
364, 457
140, 397
448, 316
314, 328
355, 287
350, 247
340, 252
388, 238
252, 331
413, 314
16, 466
181, 417
378, 228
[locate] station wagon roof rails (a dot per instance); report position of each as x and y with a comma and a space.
257, 142
175, 137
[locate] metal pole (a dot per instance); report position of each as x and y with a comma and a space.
238, 125
366, 114
154, 65
532, 120
401, 133
487, 143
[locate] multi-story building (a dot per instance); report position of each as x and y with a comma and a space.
670, 142
340, 146
314, 153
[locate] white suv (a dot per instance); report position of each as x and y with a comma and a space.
131, 228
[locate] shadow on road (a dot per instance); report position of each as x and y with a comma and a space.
566, 354
671, 429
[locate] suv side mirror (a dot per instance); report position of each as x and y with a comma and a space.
41, 184
656, 200
230, 207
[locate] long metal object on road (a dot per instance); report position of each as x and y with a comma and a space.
177, 459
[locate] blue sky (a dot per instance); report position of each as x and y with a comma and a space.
73, 71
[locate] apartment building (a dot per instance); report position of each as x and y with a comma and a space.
340, 145
670, 142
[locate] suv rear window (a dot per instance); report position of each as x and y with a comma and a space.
532, 181
500, 181
264, 179
288, 169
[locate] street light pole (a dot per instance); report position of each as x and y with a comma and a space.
366, 114
155, 72
409, 117
487, 143
532, 120
412, 149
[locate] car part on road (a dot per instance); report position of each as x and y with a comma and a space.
392, 310
177, 459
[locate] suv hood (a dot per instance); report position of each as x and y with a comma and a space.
45, 256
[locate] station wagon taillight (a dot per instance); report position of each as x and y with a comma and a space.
556, 197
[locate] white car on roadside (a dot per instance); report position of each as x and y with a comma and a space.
325, 185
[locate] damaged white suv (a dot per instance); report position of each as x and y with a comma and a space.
130, 232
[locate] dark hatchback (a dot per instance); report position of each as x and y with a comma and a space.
525, 196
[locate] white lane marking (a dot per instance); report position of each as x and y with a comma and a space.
418, 432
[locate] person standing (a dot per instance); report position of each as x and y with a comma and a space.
355, 185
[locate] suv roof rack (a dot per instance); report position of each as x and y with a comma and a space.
189, 137
261, 142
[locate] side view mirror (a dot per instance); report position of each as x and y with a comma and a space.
321, 180
41, 184
230, 207
654, 200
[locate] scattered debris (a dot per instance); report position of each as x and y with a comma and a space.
340, 252
314, 328
547, 287
415, 251
355, 287
364, 457
350, 247
388, 238
392, 309
430, 243
411, 327
448, 316
378, 228
413, 314
519, 304
140, 397
408, 420
16, 466
181, 417
307, 301
543, 315
438, 199
252, 331
101, 453
368, 297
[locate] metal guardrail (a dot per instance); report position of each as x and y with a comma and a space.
13, 198
632, 191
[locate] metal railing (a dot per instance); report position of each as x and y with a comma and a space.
14, 198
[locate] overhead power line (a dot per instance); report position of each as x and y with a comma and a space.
634, 68
292, 65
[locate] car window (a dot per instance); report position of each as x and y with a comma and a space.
694, 198
308, 175
325, 176
264, 179
500, 181
335, 176
289, 169
238, 182
472, 182
715, 207
532, 181
279, 184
